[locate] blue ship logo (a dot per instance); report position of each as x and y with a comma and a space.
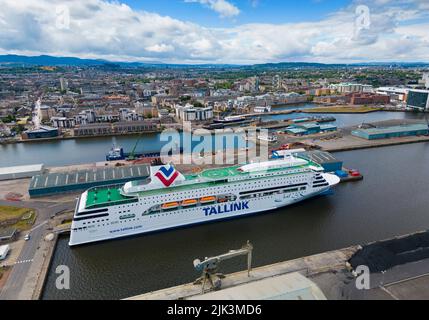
226, 208
167, 172
167, 176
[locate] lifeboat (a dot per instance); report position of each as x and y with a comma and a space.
189, 202
170, 205
207, 199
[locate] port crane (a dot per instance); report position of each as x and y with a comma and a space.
132, 155
210, 266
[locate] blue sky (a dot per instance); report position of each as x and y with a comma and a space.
251, 11
218, 31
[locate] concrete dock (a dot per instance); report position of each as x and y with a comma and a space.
398, 271
329, 262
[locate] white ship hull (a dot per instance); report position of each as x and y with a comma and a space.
113, 224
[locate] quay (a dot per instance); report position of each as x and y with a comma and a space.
398, 271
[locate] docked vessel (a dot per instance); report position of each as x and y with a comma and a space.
117, 153
169, 199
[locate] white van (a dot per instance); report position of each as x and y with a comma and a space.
4, 250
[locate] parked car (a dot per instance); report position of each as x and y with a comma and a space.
27, 237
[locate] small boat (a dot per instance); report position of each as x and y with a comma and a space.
208, 199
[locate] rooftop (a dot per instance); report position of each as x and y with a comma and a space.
107, 175
393, 129
21, 169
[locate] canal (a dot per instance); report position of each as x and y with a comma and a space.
391, 200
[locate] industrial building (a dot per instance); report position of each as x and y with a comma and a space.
309, 128
41, 133
20, 172
392, 132
54, 183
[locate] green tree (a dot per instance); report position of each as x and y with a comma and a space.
198, 104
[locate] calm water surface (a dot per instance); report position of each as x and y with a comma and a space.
391, 200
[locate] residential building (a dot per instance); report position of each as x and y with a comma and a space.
191, 113
351, 87
63, 122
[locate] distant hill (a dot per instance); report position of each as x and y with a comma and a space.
45, 60
48, 60
291, 65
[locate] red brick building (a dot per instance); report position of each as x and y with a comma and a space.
368, 98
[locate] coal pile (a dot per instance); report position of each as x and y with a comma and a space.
383, 255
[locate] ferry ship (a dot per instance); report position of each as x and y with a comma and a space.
168, 199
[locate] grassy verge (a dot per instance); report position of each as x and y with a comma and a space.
20, 218
342, 109
7, 212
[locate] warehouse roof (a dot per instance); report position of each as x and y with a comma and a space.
7, 233
42, 129
21, 169
88, 176
319, 157
293, 286
401, 128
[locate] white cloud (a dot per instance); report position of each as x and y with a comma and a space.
114, 31
223, 7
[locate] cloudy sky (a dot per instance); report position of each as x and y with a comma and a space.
218, 31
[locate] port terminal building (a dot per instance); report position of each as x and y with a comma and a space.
43, 132
80, 180
392, 132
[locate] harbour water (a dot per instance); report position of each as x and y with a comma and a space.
89, 150
357, 213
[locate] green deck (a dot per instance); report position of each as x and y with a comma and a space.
221, 173
100, 196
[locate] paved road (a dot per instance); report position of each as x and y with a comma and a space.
16, 280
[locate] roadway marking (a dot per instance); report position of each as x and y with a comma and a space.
38, 226
23, 261
389, 293
406, 280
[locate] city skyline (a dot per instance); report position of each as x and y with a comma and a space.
218, 31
